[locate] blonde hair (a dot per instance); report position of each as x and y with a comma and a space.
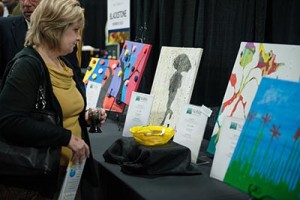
50, 19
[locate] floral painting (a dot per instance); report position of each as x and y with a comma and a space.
254, 61
266, 160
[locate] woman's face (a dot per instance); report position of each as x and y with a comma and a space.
70, 37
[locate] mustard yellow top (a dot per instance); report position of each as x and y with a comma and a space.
71, 102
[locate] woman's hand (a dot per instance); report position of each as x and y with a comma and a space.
100, 111
79, 148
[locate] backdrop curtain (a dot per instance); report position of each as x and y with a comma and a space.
216, 26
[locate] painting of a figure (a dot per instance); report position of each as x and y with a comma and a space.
173, 83
181, 64
253, 62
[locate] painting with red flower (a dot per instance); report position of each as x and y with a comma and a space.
253, 62
266, 159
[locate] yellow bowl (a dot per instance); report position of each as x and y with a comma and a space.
152, 135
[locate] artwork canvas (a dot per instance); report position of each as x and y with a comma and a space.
93, 78
173, 83
107, 101
254, 61
266, 160
128, 73
95, 71
98, 75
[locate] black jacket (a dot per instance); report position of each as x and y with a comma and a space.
12, 37
17, 100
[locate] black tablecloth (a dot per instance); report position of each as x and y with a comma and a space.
116, 184
137, 159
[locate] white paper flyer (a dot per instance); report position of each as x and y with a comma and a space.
190, 128
138, 111
230, 133
71, 181
92, 93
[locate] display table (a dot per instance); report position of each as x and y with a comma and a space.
116, 184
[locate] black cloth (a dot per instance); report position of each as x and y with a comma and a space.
18, 127
12, 37
137, 159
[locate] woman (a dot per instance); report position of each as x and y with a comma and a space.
54, 32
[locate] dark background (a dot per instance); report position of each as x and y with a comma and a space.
217, 26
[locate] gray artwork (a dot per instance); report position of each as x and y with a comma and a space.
181, 64
173, 83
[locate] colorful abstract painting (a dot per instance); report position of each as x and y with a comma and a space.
96, 70
266, 160
173, 83
254, 61
128, 73
93, 79
107, 101
101, 70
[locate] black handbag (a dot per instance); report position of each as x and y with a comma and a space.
23, 161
